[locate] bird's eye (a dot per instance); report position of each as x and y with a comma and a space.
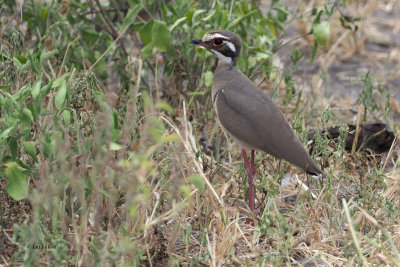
218, 42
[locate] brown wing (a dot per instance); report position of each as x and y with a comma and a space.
251, 117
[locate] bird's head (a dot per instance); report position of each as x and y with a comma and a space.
225, 45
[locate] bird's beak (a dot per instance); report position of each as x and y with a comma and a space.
196, 41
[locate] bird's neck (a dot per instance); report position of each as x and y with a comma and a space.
222, 64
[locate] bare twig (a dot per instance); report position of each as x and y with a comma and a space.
65, 55
111, 27
354, 146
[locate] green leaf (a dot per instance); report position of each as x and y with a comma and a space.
321, 32
147, 50
29, 147
240, 18
296, 55
25, 67
314, 51
176, 23
17, 186
43, 14
145, 32
130, 16
160, 35
13, 145
210, 16
46, 55
47, 112
90, 35
28, 114
5, 133
157, 131
59, 81
166, 107
262, 56
282, 14
251, 61
34, 61
115, 135
66, 115
198, 182
272, 28
47, 88
115, 119
115, 146
16, 61
60, 96
197, 13
36, 89
21, 59
35, 108
208, 78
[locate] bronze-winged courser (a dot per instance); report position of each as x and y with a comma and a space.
248, 114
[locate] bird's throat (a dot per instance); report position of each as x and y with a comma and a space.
223, 59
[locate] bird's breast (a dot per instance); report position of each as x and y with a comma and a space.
237, 140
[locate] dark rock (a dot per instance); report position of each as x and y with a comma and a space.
373, 137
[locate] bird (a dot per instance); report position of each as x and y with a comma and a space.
247, 114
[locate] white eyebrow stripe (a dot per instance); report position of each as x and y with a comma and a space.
217, 35
231, 46
222, 57
209, 37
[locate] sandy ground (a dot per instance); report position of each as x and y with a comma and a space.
374, 47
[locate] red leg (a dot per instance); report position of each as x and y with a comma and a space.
250, 175
252, 162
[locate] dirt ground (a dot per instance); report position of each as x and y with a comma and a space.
374, 47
